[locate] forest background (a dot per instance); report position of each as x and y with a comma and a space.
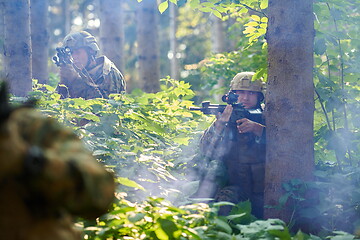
148, 136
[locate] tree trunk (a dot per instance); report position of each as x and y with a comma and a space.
39, 39
290, 99
2, 35
17, 47
111, 31
217, 35
173, 42
218, 46
147, 39
66, 17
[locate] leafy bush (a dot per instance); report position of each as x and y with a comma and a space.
329, 203
147, 140
211, 77
156, 219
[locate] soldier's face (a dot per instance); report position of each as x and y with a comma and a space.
81, 57
249, 99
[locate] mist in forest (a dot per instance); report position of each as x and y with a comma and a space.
336, 81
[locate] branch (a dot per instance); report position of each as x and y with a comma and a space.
253, 9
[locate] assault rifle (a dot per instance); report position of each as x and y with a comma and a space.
238, 109
238, 112
64, 57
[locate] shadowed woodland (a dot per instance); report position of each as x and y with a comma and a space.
176, 54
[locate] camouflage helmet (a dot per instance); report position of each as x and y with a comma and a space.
81, 39
245, 81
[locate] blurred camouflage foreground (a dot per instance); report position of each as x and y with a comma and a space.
46, 176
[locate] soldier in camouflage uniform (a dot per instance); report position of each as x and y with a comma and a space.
90, 76
46, 177
234, 169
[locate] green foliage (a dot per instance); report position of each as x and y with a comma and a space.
119, 132
163, 6
139, 135
157, 219
224, 9
193, 34
329, 203
152, 219
144, 138
221, 7
256, 28
223, 67
336, 81
218, 69
336, 71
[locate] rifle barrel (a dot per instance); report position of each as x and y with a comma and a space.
211, 109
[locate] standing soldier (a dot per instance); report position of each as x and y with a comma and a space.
82, 73
236, 157
46, 177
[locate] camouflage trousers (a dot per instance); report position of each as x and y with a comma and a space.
246, 182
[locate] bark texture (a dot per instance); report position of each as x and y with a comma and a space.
112, 32
290, 99
39, 39
17, 47
66, 12
218, 35
2, 35
148, 50
173, 42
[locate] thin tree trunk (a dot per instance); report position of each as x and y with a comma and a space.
66, 16
230, 42
2, 34
217, 46
173, 42
148, 52
17, 47
111, 31
217, 35
39, 39
290, 99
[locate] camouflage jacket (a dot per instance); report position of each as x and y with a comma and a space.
104, 79
223, 154
47, 176
243, 148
